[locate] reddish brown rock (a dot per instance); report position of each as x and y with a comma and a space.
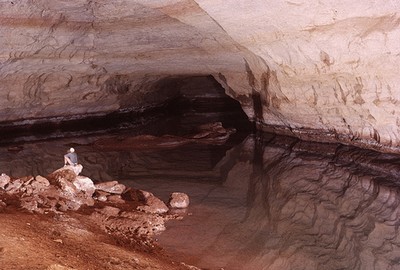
128, 224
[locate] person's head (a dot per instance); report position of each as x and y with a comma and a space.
71, 150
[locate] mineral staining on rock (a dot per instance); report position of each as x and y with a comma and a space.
318, 70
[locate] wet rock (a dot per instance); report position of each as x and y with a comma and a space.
111, 187
4, 180
213, 133
153, 204
178, 200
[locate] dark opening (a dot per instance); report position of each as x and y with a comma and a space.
195, 100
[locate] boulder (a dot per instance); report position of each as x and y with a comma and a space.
111, 187
153, 204
85, 184
4, 180
178, 200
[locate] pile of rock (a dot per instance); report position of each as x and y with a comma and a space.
117, 209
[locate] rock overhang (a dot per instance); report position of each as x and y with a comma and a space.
316, 70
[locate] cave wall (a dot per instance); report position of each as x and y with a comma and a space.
319, 70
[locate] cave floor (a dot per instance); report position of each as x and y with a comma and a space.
69, 241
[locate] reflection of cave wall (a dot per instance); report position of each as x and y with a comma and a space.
305, 210
313, 211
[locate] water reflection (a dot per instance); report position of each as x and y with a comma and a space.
286, 204
266, 203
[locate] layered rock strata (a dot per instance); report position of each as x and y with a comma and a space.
317, 70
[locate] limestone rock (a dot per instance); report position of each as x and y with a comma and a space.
4, 180
101, 196
111, 187
178, 200
84, 184
14, 186
36, 185
295, 66
41, 181
153, 204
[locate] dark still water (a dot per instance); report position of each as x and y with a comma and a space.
266, 202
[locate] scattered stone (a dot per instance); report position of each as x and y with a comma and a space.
153, 204
111, 187
58, 241
4, 180
35, 185
64, 190
178, 200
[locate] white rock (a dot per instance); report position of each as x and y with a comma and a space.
85, 184
111, 187
4, 180
178, 200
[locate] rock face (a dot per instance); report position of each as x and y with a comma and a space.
319, 70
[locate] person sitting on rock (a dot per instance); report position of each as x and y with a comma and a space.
71, 158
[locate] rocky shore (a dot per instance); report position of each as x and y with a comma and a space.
128, 219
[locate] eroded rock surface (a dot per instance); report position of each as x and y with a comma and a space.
319, 70
137, 215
